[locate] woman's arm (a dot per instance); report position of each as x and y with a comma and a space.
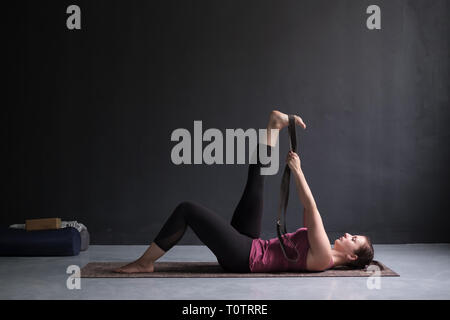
303, 190
319, 243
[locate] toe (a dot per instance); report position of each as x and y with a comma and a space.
300, 122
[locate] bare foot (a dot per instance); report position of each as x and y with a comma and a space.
279, 120
135, 267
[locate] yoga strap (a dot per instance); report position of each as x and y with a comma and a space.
284, 195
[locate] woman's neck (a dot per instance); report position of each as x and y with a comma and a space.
339, 258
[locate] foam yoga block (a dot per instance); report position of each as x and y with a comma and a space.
43, 224
19, 242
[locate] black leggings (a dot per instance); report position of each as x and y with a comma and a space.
230, 242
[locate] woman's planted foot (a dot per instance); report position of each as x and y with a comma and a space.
135, 267
279, 120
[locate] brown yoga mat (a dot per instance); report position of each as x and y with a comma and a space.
213, 270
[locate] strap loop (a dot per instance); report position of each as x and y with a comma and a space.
284, 195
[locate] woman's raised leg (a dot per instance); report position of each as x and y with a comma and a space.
247, 216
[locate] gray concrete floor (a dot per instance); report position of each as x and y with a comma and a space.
423, 268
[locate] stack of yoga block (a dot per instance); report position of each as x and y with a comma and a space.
44, 237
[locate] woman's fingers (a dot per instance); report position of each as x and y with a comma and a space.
293, 160
291, 155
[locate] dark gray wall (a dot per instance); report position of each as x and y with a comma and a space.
87, 130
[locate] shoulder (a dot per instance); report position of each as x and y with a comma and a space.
319, 263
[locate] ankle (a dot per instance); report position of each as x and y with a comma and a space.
145, 262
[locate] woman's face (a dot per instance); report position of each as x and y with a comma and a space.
349, 243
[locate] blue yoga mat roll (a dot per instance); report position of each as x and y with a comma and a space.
60, 242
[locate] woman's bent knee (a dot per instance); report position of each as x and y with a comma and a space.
186, 206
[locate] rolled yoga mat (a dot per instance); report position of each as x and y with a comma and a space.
214, 270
